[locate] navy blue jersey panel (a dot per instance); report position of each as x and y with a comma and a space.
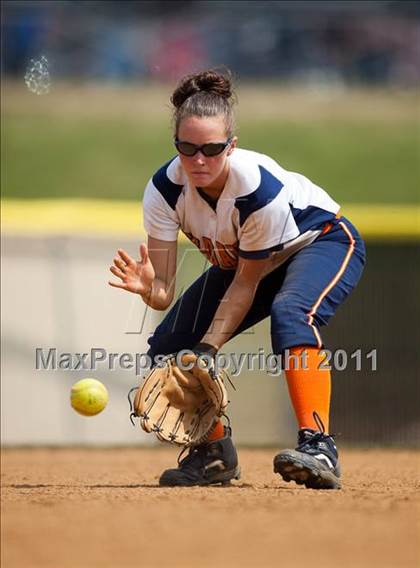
311, 218
168, 189
268, 190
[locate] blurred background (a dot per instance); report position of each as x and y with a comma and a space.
329, 42
328, 89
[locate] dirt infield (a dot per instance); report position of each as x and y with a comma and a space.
94, 507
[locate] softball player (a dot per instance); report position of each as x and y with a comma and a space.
278, 248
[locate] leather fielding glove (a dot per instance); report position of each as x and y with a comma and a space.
182, 397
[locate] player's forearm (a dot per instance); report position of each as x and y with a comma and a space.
232, 310
159, 297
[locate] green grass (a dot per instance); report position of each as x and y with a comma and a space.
355, 163
79, 158
52, 155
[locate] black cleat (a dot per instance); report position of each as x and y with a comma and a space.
314, 463
206, 464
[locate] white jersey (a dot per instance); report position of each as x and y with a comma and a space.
263, 211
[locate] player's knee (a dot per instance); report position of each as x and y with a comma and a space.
287, 310
289, 321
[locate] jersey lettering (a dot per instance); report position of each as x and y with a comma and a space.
193, 239
228, 254
225, 256
208, 251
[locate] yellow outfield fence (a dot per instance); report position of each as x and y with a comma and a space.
105, 217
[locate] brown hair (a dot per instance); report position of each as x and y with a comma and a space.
209, 93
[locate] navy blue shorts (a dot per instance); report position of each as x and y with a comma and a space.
300, 296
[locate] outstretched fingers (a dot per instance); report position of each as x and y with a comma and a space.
117, 284
117, 272
120, 264
144, 253
125, 257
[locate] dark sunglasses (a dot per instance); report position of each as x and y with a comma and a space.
210, 149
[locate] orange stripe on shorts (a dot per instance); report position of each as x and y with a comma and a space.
333, 282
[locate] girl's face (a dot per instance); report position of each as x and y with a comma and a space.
205, 171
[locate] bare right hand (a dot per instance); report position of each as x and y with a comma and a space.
136, 276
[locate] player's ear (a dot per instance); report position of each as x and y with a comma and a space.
232, 145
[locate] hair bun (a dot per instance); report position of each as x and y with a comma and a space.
215, 83
210, 81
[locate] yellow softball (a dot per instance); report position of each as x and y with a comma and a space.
89, 397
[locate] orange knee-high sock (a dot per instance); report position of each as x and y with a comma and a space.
217, 432
310, 388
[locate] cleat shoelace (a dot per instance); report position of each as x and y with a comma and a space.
314, 438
